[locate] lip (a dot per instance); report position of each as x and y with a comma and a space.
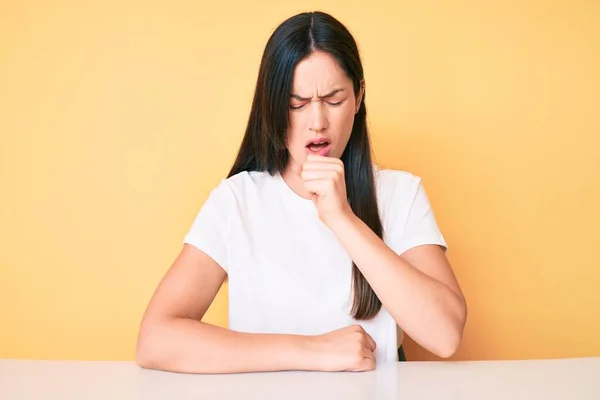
318, 140
323, 152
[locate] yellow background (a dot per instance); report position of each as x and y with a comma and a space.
117, 118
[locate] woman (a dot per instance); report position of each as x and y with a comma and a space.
328, 258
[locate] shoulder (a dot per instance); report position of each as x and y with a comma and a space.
249, 179
246, 181
400, 194
242, 186
406, 212
395, 184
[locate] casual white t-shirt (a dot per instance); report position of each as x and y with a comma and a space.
287, 271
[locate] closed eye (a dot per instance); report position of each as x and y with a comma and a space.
335, 104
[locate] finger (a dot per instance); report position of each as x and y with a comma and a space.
314, 157
371, 342
320, 166
319, 186
368, 362
310, 159
364, 365
309, 175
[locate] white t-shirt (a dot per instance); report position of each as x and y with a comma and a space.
287, 272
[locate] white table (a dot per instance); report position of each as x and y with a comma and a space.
566, 379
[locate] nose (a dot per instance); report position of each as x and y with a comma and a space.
319, 121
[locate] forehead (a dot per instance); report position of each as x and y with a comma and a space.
320, 72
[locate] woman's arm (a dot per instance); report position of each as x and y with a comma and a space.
173, 338
185, 345
418, 288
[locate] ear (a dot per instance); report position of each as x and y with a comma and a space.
360, 96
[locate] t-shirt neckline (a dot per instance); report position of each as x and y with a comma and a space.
293, 198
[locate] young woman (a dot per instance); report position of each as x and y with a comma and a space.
328, 258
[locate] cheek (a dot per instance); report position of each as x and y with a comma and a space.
344, 119
298, 120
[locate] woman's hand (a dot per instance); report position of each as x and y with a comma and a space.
324, 178
345, 349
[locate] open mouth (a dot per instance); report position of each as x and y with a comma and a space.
318, 146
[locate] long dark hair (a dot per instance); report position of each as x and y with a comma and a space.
263, 147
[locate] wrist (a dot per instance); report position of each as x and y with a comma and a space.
341, 218
340, 221
307, 353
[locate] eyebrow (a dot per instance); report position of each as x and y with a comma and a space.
330, 94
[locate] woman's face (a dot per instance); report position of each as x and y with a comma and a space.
321, 108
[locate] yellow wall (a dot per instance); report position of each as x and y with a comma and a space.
117, 118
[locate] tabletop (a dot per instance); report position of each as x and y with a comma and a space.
573, 378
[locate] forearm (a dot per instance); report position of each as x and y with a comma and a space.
189, 346
426, 309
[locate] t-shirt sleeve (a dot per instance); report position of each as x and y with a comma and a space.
416, 225
209, 230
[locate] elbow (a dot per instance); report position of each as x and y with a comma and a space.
147, 350
143, 360
452, 337
143, 354
449, 343
157, 348
444, 344
448, 348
